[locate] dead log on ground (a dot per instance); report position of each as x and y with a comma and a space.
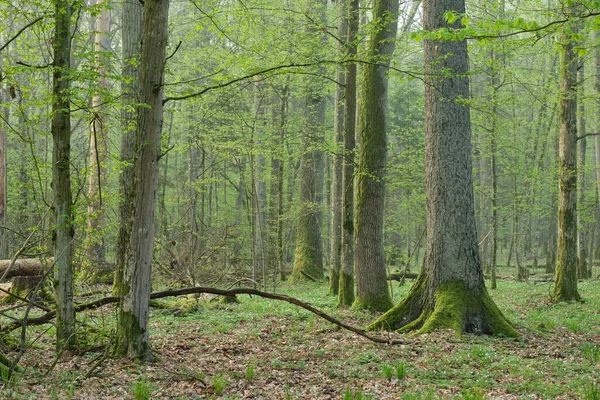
26, 266
399, 275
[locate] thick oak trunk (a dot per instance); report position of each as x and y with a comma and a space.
450, 292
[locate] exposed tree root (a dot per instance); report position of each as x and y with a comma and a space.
192, 290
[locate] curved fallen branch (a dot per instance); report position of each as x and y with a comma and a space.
197, 290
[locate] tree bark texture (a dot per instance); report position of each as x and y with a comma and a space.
309, 246
346, 278
133, 337
131, 35
596, 248
275, 221
94, 254
336, 181
565, 283
61, 177
450, 292
370, 264
25, 267
582, 267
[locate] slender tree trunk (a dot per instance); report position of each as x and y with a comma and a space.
131, 32
338, 127
565, 283
346, 279
133, 335
94, 251
597, 151
450, 292
371, 277
276, 195
3, 193
61, 177
494, 177
582, 268
259, 186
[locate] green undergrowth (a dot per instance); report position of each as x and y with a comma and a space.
273, 349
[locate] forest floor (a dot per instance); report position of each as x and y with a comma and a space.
268, 349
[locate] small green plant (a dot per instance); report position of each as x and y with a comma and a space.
387, 371
219, 383
592, 391
357, 394
591, 352
249, 374
400, 371
142, 390
574, 326
472, 394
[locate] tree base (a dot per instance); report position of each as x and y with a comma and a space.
456, 308
373, 303
346, 290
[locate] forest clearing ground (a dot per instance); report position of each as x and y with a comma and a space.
266, 349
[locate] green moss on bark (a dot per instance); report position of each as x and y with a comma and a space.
456, 308
346, 290
373, 303
334, 282
405, 312
306, 261
130, 339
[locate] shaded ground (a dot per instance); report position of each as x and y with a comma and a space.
263, 349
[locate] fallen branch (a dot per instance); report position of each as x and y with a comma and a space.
195, 290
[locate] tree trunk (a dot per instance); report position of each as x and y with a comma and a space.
133, 336
131, 35
565, 283
276, 195
338, 159
94, 247
371, 285
61, 178
24, 267
346, 279
3, 195
597, 151
259, 185
582, 268
450, 292
309, 247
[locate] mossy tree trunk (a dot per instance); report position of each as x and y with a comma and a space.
346, 281
338, 159
565, 282
131, 32
309, 247
61, 177
450, 292
133, 338
370, 264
